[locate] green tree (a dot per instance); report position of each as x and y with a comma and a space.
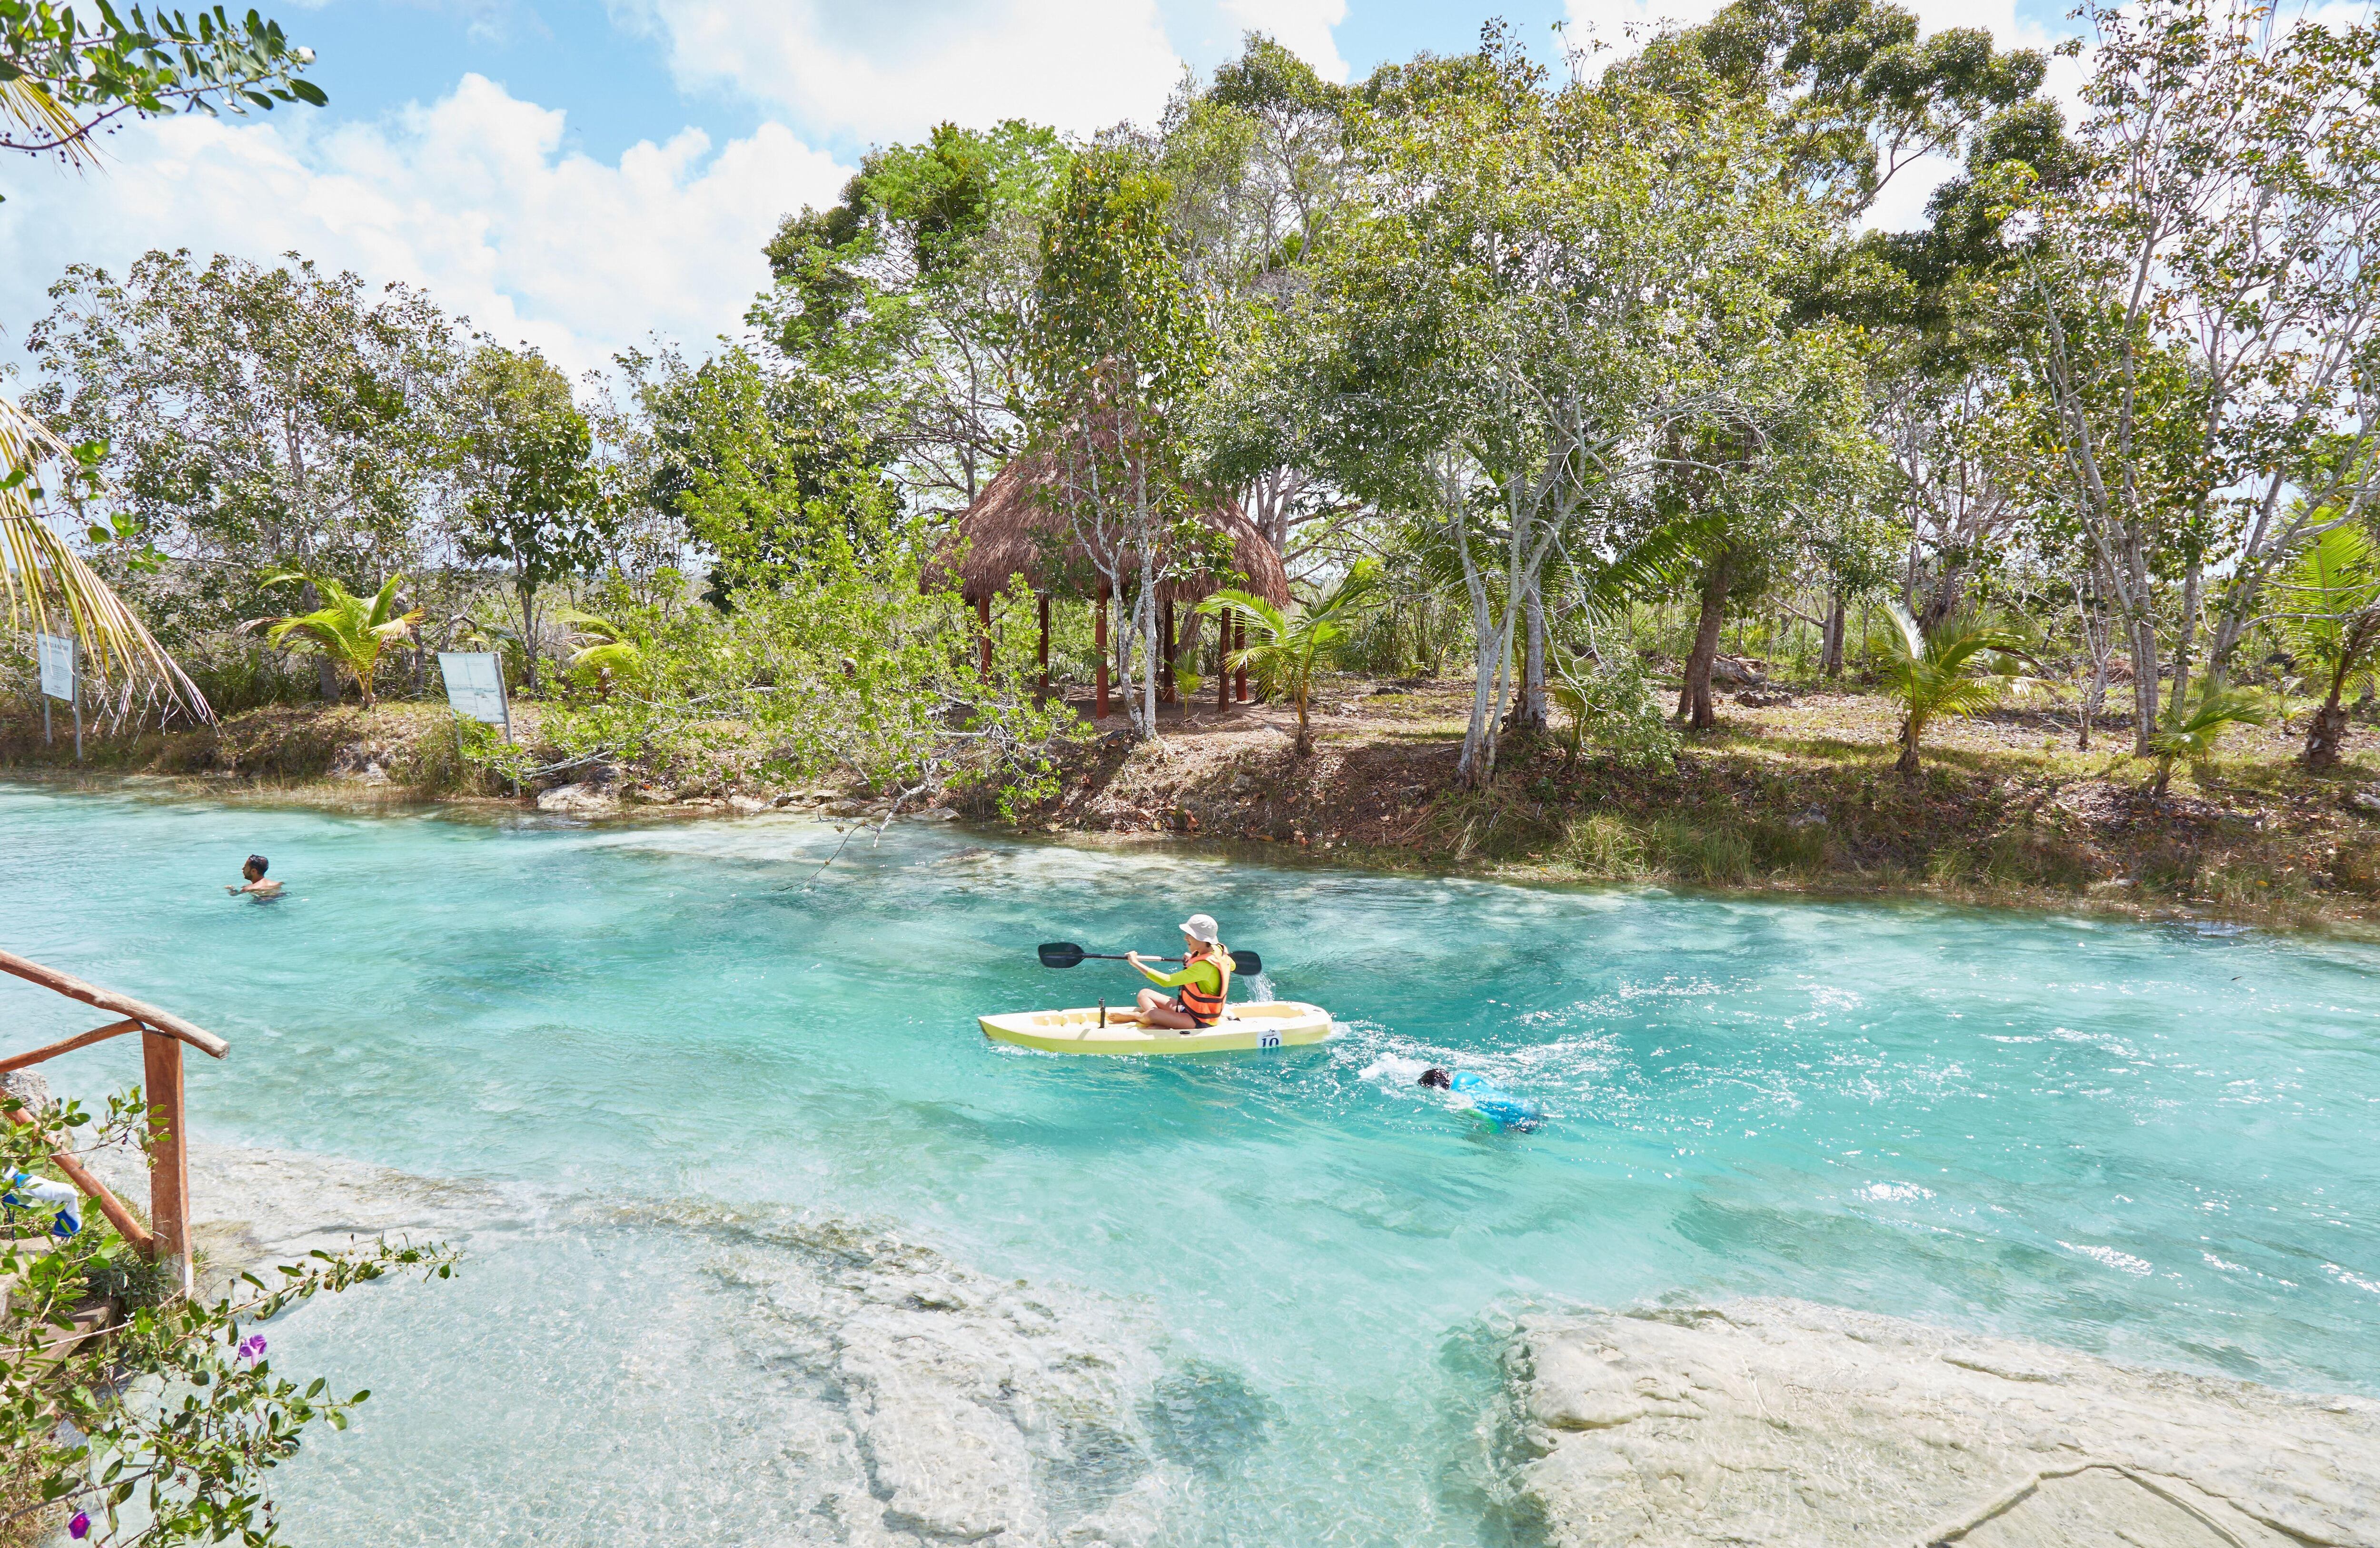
251, 419
1950, 670
2331, 592
1119, 353
345, 629
1551, 306
2200, 317
772, 471
1849, 95
531, 500
1287, 649
64, 76
1258, 167
910, 300
2193, 732
61, 78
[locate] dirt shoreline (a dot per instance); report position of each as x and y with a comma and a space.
1793, 797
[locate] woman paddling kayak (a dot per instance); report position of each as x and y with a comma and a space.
1198, 989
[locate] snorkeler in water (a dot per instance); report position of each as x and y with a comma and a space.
1478, 1094
253, 882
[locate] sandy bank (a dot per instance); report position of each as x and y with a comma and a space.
1783, 1422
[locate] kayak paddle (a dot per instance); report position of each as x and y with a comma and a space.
1066, 954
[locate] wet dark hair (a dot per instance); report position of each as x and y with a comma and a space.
1434, 1076
258, 863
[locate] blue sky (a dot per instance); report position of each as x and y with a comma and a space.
609, 68
586, 176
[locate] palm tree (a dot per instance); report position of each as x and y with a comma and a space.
2193, 736
48, 588
1945, 672
2333, 626
346, 628
1284, 651
602, 648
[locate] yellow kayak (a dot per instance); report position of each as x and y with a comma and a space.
1267, 1024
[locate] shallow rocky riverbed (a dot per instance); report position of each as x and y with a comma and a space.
943, 1405
1784, 1422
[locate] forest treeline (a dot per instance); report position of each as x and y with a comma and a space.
1569, 370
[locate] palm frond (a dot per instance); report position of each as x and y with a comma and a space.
1945, 672
1913, 639
29, 103
1651, 564
344, 628
48, 589
600, 645
2195, 735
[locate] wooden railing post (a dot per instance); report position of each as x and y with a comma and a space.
162, 1036
169, 1160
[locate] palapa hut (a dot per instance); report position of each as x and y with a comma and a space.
1011, 530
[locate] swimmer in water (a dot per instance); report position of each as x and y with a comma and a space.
253, 882
1500, 1108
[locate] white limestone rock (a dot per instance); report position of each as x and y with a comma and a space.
578, 800
951, 1407
253, 1208
1783, 1422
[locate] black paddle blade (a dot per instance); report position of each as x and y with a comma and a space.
1060, 954
1246, 963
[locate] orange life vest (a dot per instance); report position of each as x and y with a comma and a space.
1206, 1009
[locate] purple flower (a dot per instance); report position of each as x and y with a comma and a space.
252, 1346
79, 1526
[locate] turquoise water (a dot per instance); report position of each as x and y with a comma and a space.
2148, 1142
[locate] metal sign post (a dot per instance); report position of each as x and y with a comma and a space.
475, 691
59, 680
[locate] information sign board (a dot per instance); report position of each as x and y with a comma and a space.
57, 657
475, 686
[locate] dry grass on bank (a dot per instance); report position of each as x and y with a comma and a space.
1794, 795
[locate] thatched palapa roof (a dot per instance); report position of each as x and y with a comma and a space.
1011, 530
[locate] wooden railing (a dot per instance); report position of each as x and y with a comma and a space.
167, 1239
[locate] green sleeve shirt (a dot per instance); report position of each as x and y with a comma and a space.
1204, 973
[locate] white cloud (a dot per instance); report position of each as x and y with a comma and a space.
892, 69
1900, 203
1301, 25
471, 197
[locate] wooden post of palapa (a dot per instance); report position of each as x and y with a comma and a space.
1165, 664
983, 632
169, 1160
1045, 641
1240, 642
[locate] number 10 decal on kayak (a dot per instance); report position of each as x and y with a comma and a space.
1267, 1037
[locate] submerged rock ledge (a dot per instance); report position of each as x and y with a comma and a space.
1785, 1422
915, 1400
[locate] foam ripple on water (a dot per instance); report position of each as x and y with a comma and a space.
2149, 1142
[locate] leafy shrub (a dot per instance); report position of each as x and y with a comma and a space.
175, 1408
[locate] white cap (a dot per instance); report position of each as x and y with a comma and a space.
1201, 926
